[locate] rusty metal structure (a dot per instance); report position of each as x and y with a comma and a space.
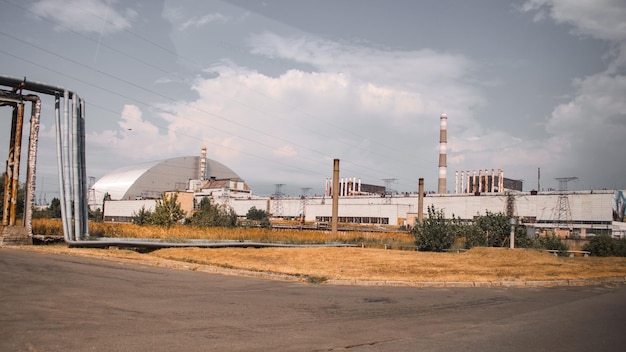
70, 145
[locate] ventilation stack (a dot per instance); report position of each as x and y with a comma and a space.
443, 141
202, 175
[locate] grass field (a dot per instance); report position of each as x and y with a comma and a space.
51, 227
369, 263
476, 265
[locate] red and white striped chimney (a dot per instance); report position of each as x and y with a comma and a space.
443, 142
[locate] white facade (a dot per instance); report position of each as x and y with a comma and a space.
589, 211
123, 210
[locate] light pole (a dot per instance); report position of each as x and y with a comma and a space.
512, 221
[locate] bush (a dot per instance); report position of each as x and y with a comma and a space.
256, 214
167, 211
606, 246
522, 239
142, 217
552, 242
495, 227
435, 233
475, 237
259, 215
210, 214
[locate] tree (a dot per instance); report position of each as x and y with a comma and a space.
552, 242
142, 217
522, 239
209, 214
435, 233
256, 214
167, 211
259, 215
495, 228
54, 208
601, 246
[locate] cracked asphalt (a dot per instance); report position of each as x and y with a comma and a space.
51, 302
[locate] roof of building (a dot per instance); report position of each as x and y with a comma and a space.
150, 179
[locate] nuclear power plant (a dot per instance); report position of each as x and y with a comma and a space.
569, 213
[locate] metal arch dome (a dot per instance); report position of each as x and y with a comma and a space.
150, 179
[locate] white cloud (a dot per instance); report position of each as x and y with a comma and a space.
135, 139
591, 127
85, 16
601, 19
292, 125
197, 22
285, 151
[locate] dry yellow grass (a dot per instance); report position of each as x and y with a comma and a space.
116, 230
479, 264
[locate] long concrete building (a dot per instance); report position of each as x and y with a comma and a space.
580, 213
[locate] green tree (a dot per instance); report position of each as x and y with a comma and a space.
167, 211
495, 228
435, 233
256, 214
54, 209
142, 217
475, 237
210, 214
522, 239
601, 246
553, 242
260, 215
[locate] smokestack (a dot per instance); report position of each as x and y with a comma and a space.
335, 209
443, 142
202, 164
420, 201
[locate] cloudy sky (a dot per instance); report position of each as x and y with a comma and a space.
277, 89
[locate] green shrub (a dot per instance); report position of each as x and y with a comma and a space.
604, 246
435, 233
553, 242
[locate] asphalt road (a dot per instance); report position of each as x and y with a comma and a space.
65, 303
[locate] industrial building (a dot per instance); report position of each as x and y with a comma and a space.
149, 180
571, 213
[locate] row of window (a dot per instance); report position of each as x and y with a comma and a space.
355, 219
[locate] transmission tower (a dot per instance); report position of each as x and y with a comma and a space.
388, 190
510, 210
91, 194
562, 211
278, 204
303, 199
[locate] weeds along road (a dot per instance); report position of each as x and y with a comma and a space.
52, 302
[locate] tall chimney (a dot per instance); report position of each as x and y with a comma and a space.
202, 164
335, 208
420, 201
443, 142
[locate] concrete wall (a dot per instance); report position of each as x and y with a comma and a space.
123, 210
590, 210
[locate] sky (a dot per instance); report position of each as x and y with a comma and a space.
277, 89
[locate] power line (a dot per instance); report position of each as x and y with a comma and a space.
188, 105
